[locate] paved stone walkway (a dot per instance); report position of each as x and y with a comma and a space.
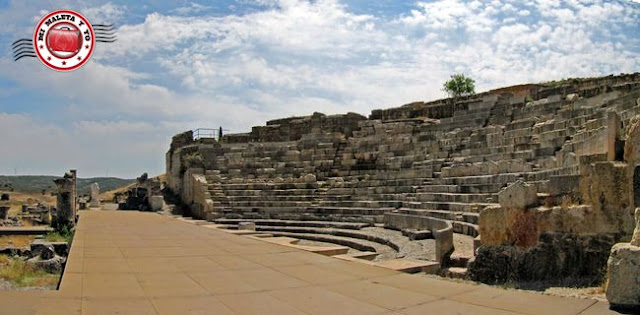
145, 263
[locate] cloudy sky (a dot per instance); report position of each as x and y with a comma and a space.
180, 65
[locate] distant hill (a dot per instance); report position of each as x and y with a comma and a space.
37, 183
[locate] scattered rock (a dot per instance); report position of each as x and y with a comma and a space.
59, 248
54, 264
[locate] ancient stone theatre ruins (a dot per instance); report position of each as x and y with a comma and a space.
540, 180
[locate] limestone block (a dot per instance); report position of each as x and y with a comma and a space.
518, 195
156, 203
249, 226
95, 195
310, 178
635, 240
624, 276
572, 97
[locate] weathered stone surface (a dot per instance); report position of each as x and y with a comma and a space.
441, 159
613, 132
635, 239
249, 226
156, 203
4, 212
518, 195
54, 264
557, 256
417, 234
508, 226
310, 178
66, 198
572, 97
623, 285
601, 187
44, 250
95, 195
623, 272
441, 230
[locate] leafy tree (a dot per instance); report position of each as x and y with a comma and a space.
459, 85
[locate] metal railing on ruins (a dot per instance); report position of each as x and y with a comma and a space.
205, 133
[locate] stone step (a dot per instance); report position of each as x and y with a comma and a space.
267, 186
293, 223
283, 198
361, 245
369, 190
268, 192
546, 174
454, 272
377, 204
480, 179
332, 231
452, 197
448, 206
265, 203
409, 265
463, 223
320, 212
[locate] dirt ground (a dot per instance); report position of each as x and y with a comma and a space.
17, 199
588, 292
18, 241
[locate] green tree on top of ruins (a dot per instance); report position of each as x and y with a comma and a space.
460, 85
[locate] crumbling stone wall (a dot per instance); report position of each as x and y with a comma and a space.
556, 257
196, 194
185, 153
292, 129
569, 240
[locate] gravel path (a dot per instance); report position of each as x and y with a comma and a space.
423, 249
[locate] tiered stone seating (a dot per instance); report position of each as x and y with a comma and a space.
439, 159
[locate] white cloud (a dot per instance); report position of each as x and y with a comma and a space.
170, 73
107, 13
191, 8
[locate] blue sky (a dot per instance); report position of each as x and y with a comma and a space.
180, 65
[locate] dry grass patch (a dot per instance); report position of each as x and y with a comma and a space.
20, 198
17, 241
21, 274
